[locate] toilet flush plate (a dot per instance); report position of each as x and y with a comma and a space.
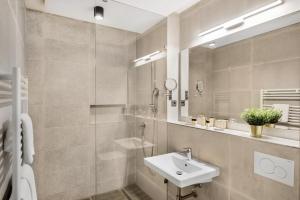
275, 168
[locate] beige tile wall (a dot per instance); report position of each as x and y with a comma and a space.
234, 156
58, 61
144, 78
73, 142
200, 69
152, 40
146, 179
115, 166
156, 127
155, 131
145, 85
115, 51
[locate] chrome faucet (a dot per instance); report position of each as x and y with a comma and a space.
188, 152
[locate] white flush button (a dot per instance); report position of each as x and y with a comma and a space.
275, 168
280, 172
267, 165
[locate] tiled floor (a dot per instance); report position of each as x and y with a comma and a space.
131, 192
114, 195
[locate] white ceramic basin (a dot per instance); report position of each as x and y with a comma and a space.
180, 171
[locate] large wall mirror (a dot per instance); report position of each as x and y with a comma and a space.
259, 70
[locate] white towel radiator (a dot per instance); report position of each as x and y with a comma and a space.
284, 96
15, 92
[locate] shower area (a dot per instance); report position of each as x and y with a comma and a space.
128, 118
128, 113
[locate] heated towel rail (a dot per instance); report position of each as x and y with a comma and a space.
283, 96
14, 92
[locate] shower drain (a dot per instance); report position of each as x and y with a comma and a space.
179, 173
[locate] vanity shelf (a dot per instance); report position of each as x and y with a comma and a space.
245, 134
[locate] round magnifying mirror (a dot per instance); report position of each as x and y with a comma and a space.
170, 84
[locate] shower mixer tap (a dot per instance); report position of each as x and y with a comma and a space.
143, 125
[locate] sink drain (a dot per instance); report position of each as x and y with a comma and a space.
179, 172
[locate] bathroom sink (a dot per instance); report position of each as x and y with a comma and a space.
181, 171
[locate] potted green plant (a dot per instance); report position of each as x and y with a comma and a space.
256, 118
273, 117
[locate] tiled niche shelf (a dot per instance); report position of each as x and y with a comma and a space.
107, 105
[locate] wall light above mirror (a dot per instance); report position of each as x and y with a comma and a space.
239, 21
270, 17
150, 58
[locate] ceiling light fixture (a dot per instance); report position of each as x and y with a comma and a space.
98, 12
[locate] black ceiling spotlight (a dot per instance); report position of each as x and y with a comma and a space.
98, 12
